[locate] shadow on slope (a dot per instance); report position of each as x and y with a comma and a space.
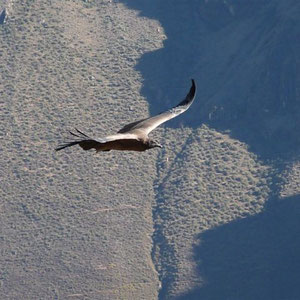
243, 56
254, 258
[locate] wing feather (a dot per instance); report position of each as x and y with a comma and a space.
118, 136
88, 143
147, 125
134, 131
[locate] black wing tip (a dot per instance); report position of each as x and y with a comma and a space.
188, 100
60, 148
193, 88
191, 95
79, 134
66, 145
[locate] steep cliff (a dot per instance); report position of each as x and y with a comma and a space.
214, 214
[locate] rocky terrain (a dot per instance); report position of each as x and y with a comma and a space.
212, 215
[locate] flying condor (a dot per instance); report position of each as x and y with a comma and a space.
133, 136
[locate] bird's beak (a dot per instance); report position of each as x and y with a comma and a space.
158, 145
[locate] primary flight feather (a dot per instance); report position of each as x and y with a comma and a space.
133, 136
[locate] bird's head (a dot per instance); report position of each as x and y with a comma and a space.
153, 144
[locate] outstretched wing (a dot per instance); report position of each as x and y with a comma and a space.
87, 143
147, 125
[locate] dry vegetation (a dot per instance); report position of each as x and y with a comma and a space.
75, 225
291, 178
66, 218
212, 180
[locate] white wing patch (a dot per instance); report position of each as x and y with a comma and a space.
147, 125
115, 137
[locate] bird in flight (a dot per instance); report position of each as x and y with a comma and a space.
133, 136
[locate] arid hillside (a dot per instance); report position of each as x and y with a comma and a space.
212, 215
74, 224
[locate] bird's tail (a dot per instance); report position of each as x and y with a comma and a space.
82, 137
